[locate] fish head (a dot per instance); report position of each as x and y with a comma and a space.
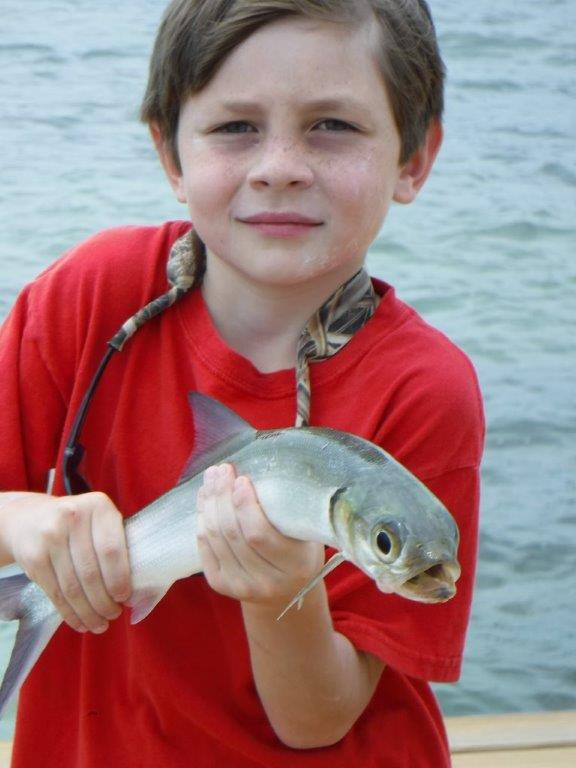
400, 535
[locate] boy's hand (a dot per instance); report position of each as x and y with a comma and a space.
74, 548
243, 555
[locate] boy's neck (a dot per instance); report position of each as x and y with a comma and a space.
263, 323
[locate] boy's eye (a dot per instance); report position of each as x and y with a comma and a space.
333, 124
235, 126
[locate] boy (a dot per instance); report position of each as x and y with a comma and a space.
287, 127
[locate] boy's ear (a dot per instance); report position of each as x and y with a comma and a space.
415, 171
172, 171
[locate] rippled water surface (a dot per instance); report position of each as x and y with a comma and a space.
487, 254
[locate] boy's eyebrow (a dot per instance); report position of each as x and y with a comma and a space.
314, 105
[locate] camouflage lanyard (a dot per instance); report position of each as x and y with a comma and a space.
328, 330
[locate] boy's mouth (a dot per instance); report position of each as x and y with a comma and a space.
281, 224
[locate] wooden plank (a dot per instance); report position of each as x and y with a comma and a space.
522, 730
561, 757
520, 740
5, 754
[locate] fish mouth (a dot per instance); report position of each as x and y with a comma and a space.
435, 584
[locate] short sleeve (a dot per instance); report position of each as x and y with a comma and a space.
429, 416
56, 334
31, 405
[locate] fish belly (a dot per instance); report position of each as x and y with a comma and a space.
161, 541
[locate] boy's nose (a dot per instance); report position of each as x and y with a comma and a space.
281, 164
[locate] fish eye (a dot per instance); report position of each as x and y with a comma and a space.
386, 543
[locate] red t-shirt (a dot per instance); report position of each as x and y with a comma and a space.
176, 689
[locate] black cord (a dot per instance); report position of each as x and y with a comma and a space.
73, 451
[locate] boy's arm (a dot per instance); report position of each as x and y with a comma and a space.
312, 682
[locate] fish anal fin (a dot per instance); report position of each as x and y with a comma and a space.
143, 602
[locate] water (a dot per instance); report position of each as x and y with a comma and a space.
486, 254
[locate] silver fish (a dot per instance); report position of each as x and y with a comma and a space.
315, 484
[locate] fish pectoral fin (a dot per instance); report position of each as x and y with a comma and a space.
298, 599
143, 602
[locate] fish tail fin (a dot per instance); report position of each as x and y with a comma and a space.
34, 631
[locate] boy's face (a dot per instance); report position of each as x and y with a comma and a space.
296, 123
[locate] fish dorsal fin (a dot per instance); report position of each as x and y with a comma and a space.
214, 424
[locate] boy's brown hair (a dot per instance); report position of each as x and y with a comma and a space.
196, 36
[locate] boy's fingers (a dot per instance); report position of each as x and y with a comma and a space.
244, 495
87, 567
283, 553
243, 554
247, 553
247, 531
256, 528
210, 562
210, 531
219, 528
68, 596
48, 580
109, 540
